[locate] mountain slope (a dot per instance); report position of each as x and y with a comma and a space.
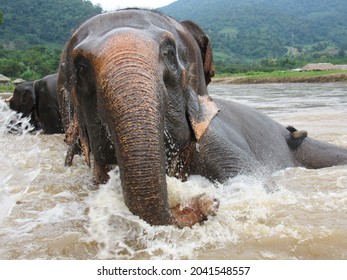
253, 29
33, 22
241, 31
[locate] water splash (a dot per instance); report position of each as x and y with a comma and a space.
13, 122
121, 235
19, 157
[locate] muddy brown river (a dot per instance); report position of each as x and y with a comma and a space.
48, 211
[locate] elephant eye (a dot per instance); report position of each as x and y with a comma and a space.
81, 68
81, 65
170, 54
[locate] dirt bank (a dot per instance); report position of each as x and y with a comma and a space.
327, 78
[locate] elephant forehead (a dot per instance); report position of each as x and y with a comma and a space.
127, 48
122, 40
125, 40
25, 86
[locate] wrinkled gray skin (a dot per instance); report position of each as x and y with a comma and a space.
243, 140
38, 100
138, 82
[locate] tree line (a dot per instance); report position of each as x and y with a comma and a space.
247, 31
30, 64
33, 34
42, 22
249, 35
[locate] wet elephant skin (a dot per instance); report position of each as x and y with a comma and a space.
38, 100
138, 83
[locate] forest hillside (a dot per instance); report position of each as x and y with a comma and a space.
246, 35
254, 29
34, 32
41, 22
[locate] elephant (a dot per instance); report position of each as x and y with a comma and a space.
38, 100
138, 83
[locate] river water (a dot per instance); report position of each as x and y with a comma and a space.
48, 211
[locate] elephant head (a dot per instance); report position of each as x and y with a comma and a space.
23, 99
138, 84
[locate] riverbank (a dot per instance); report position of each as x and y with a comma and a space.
276, 77
283, 77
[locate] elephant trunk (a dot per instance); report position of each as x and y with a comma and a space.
130, 95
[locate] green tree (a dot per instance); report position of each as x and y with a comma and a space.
11, 67
341, 53
251, 30
34, 32
29, 64
43, 22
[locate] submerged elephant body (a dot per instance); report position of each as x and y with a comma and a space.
138, 83
243, 140
38, 100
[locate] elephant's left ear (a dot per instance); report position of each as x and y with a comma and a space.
204, 44
208, 60
201, 111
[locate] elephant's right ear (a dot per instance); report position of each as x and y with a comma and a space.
201, 110
204, 44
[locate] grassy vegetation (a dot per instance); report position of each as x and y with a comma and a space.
281, 74
284, 76
7, 88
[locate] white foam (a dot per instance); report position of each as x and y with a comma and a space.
244, 201
19, 157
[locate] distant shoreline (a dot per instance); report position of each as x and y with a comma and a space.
285, 77
319, 78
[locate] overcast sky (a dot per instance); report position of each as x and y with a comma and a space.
110, 5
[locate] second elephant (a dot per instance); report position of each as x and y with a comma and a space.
38, 100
